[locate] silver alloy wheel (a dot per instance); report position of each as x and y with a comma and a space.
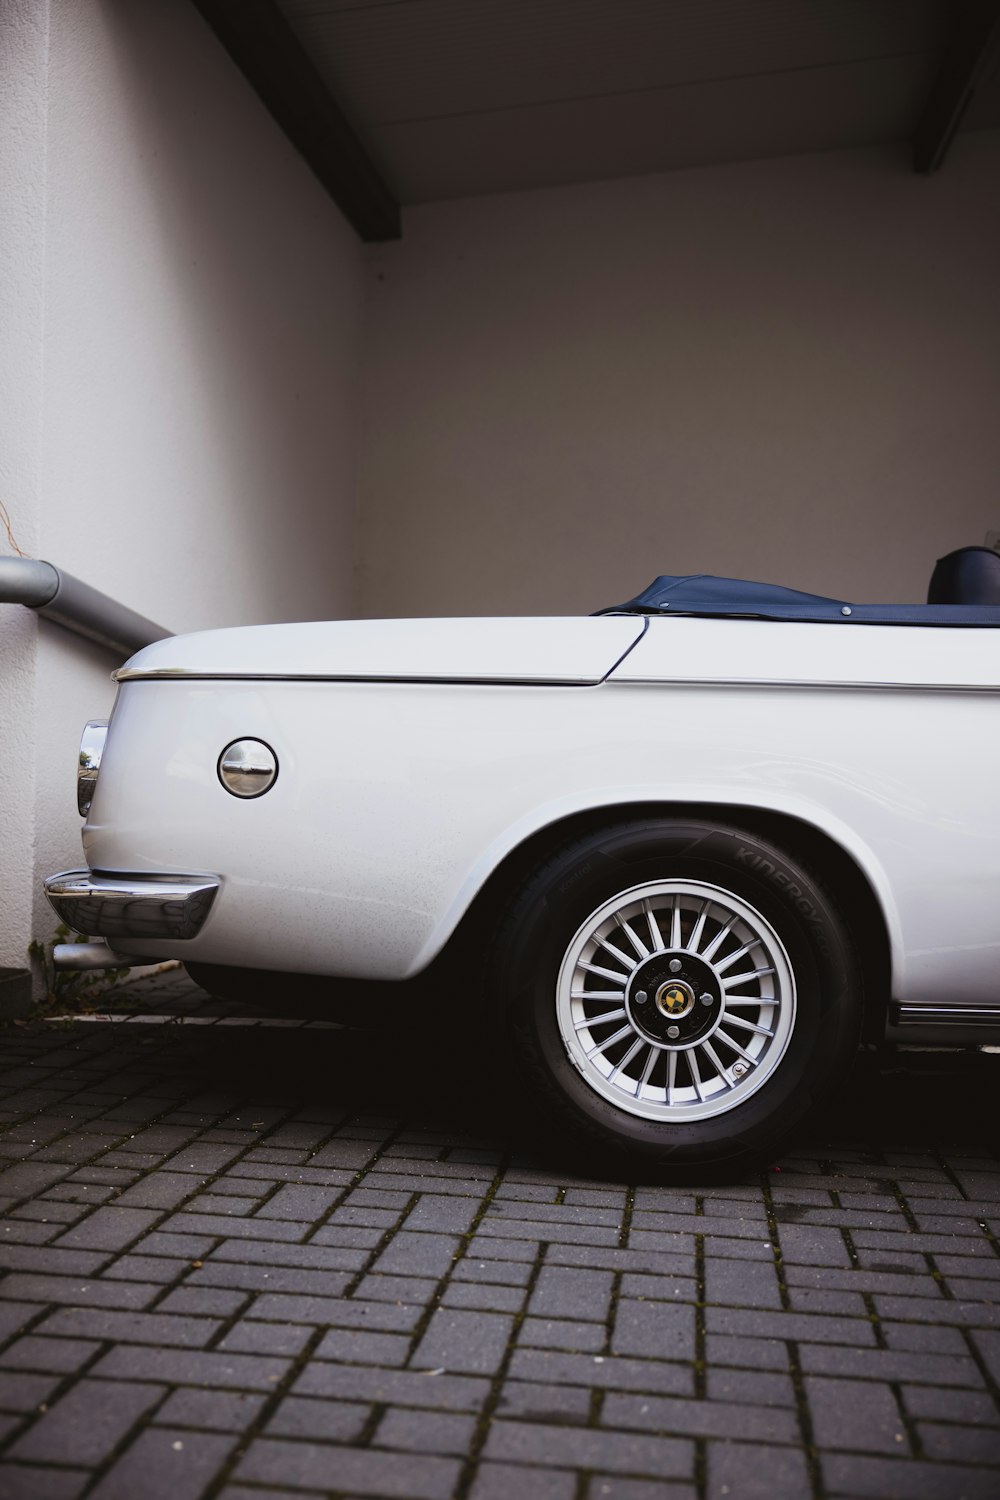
675, 1000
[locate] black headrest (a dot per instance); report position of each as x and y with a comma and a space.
969, 576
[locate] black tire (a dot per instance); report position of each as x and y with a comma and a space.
723, 1119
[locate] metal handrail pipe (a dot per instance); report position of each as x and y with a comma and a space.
66, 601
25, 580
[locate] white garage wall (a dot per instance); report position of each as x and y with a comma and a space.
199, 328
786, 370
203, 312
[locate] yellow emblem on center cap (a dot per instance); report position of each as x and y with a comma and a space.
675, 998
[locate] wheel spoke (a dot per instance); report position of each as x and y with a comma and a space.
732, 1042
698, 928
608, 1015
770, 1002
610, 1040
595, 994
675, 924
633, 938
692, 1058
621, 979
732, 1020
650, 1065
730, 959
655, 934
616, 952
731, 983
720, 938
671, 1074
717, 1063
636, 1046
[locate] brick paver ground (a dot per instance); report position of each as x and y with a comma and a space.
250, 1261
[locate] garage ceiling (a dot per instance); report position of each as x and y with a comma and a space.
452, 98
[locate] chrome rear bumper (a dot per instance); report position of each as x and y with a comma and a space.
132, 906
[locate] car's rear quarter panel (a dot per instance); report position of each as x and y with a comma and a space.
395, 801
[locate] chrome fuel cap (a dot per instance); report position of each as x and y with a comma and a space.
248, 768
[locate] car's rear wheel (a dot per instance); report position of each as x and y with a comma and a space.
680, 992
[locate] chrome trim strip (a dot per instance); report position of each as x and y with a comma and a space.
132, 906
822, 684
181, 674
946, 1015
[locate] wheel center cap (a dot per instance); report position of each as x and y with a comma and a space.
675, 998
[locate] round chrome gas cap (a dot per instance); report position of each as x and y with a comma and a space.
248, 768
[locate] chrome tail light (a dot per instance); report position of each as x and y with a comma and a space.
91, 750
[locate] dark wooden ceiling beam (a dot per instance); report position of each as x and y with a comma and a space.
266, 50
974, 50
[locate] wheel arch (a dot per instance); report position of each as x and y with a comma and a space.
836, 866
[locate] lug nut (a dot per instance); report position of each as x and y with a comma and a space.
705, 999
673, 1031
641, 997
674, 966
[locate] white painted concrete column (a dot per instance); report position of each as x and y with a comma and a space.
24, 30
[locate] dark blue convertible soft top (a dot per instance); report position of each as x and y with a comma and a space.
737, 598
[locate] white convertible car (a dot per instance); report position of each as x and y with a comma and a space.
681, 856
